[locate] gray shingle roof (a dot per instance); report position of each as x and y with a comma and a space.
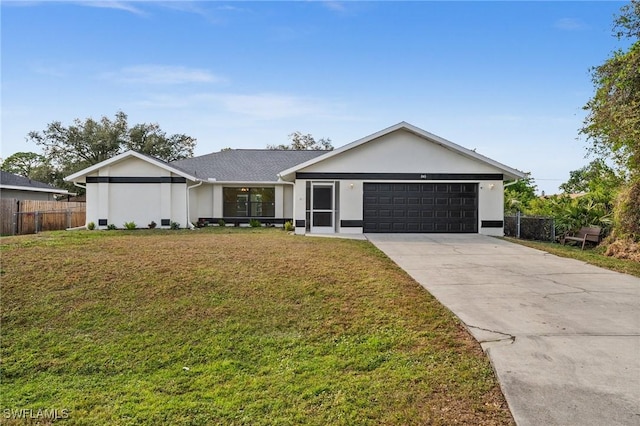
10, 179
244, 165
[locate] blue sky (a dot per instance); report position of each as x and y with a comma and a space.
508, 79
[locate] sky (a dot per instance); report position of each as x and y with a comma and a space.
508, 79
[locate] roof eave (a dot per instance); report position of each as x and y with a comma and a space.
246, 182
510, 172
34, 189
120, 157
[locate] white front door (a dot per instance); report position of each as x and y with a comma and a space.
322, 208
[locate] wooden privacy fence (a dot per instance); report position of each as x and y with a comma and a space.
19, 217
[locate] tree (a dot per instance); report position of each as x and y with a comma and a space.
612, 124
300, 142
518, 195
150, 139
84, 143
31, 165
597, 176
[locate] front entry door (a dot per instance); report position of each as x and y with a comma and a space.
322, 208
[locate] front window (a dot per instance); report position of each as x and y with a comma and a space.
249, 202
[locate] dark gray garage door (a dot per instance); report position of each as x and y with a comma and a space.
420, 207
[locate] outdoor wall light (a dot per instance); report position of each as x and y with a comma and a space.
491, 186
351, 185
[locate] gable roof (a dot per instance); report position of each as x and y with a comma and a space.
123, 156
21, 183
245, 165
510, 173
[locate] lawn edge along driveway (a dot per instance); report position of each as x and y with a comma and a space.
562, 335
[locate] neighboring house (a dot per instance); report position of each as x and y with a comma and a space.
22, 188
401, 179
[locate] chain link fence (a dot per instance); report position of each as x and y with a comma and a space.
530, 227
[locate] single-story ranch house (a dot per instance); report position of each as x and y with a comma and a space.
400, 179
22, 188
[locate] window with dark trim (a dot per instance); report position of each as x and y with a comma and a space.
249, 202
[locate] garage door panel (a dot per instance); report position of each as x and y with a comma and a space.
420, 207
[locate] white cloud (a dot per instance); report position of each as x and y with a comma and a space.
259, 106
270, 105
335, 6
118, 5
105, 4
570, 24
162, 74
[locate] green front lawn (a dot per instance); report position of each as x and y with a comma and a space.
230, 326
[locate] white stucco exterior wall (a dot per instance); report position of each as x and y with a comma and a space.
491, 206
141, 203
400, 152
350, 199
396, 153
299, 204
201, 202
287, 201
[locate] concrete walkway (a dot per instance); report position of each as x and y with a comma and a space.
563, 336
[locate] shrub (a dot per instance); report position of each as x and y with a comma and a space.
175, 225
627, 212
152, 225
91, 226
255, 223
111, 227
221, 222
130, 225
288, 226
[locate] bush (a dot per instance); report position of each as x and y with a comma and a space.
175, 225
130, 225
627, 212
221, 222
111, 227
152, 225
91, 226
255, 223
288, 226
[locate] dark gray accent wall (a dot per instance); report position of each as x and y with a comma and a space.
351, 223
135, 179
492, 224
401, 176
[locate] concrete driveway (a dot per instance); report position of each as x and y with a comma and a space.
563, 336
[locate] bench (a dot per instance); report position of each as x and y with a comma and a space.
586, 233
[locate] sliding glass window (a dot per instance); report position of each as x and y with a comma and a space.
249, 202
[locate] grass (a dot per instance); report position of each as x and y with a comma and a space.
594, 256
230, 326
